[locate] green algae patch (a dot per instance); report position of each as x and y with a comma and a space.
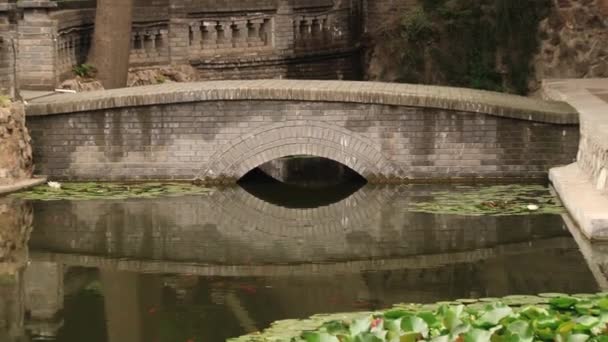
562, 318
110, 191
498, 200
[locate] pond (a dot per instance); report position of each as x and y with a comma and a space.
222, 263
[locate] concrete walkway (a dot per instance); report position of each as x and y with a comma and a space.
583, 186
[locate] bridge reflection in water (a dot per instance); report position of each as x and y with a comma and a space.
215, 266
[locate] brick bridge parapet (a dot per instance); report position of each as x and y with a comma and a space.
221, 130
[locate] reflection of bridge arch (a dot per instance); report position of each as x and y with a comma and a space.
242, 209
431, 261
298, 137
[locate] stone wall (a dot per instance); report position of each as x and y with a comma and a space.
573, 41
225, 129
15, 150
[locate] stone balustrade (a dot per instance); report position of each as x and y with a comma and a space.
320, 30
275, 40
212, 36
72, 46
150, 44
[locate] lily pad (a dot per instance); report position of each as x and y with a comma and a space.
498, 200
110, 191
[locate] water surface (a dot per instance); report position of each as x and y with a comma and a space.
210, 267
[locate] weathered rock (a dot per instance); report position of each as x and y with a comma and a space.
147, 76
80, 84
573, 41
15, 149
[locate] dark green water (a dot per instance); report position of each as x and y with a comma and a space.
210, 267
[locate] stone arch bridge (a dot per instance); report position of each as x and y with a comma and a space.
221, 130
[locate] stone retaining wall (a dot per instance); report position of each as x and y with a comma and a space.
573, 41
222, 130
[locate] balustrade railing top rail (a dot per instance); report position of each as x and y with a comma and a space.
449, 98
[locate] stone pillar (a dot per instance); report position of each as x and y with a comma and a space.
37, 33
7, 50
282, 30
179, 33
44, 289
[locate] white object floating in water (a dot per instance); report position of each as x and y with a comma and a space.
54, 185
532, 207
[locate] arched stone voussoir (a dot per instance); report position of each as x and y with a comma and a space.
297, 138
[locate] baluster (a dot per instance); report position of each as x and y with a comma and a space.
225, 35
315, 28
265, 33
239, 33
72, 50
209, 35
326, 31
148, 42
304, 32
62, 55
253, 32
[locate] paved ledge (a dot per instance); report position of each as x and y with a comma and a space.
583, 186
21, 185
447, 98
587, 206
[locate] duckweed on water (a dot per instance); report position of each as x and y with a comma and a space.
498, 200
548, 317
109, 191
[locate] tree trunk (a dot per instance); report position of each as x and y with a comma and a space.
112, 42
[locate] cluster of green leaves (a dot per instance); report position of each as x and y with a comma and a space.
561, 319
498, 200
110, 191
84, 70
483, 44
5, 101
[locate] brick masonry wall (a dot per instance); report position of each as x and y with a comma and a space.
344, 65
226, 139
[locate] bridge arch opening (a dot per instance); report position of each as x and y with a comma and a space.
298, 138
302, 181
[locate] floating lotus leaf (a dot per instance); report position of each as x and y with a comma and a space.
478, 322
498, 200
110, 191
